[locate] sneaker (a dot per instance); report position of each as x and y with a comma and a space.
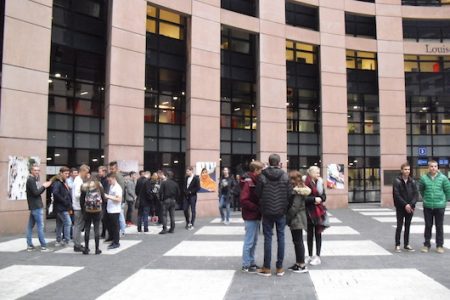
280, 272
86, 251
245, 269
78, 248
298, 269
190, 226
226, 222
397, 249
440, 250
30, 248
58, 244
308, 260
163, 231
409, 248
254, 269
45, 249
265, 272
113, 246
315, 261
98, 251
425, 249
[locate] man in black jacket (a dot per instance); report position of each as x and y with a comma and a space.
62, 204
34, 190
191, 187
169, 193
273, 190
405, 197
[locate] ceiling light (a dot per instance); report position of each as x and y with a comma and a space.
57, 75
57, 155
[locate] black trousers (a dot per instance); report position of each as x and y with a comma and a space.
299, 247
310, 234
438, 215
168, 206
113, 230
190, 201
92, 218
130, 205
403, 215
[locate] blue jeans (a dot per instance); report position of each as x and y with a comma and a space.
63, 224
122, 223
224, 204
250, 240
143, 213
36, 218
280, 223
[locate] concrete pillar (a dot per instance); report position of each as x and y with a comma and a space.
203, 94
125, 81
391, 80
333, 72
271, 125
24, 97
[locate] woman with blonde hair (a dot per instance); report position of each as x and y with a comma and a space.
297, 221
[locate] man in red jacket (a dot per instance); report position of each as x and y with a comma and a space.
251, 215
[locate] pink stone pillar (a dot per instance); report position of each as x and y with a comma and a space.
125, 81
203, 94
24, 97
391, 80
271, 125
334, 94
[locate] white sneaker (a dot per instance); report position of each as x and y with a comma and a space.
316, 261
308, 260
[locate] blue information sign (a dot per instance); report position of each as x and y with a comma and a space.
422, 151
422, 162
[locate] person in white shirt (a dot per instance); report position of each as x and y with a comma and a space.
78, 219
113, 209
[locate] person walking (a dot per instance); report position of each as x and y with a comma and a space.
251, 215
169, 193
226, 185
273, 190
405, 194
191, 187
435, 190
34, 189
297, 220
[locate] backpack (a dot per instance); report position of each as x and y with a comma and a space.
93, 202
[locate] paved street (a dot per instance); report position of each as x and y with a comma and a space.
358, 262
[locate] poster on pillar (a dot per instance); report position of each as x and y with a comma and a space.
128, 165
207, 173
335, 176
18, 171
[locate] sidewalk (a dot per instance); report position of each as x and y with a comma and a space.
358, 262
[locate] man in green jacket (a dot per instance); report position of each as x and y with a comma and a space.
435, 190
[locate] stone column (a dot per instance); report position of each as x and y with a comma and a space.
271, 125
391, 80
203, 94
24, 97
333, 72
125, 81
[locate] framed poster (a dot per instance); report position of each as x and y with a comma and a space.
335, 176
207, 173
18, 171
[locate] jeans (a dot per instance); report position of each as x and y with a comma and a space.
168, 205
78, 223
312, 233
268, 223
122, 224
143, 213
224, 203
63, 225
37, 218
190, 201
299, 247
402, 215
130, 205
250, 240
438, 215
88, 220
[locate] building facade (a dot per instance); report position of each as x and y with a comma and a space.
360, 84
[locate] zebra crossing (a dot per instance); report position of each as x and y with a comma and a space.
211, 257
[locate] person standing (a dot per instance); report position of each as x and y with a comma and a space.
34, 189
273, 190
435, 190
251, 215
297, 221
226, 185
102, 171
405, 194
191, 187
78, 218
114, 169
113, 208
237, 194
169, 192
130, 196
315, 221
72, 175
62, 205
149, 194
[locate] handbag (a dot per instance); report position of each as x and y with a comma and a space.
50, 207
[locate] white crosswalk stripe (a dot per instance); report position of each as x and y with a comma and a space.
18, 245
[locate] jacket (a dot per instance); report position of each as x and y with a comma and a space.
34, 190
130, 190
435, 192
296, 215
62, 199
273, 190
149, 194
169, 190
405, 193
249, 200
193, 187
226, 185
140, 185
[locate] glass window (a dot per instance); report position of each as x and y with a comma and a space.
302, 15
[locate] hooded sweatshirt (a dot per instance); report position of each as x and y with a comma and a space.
274, 191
